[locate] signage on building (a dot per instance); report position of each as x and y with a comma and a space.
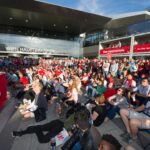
29, 50
140, 48
122, 50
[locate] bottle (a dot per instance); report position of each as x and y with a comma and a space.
53, 144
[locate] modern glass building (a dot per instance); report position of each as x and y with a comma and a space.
29, 27
32, 44
120, 29
34, 27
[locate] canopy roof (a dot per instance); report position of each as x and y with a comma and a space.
42, 16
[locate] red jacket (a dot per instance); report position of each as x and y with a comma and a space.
108, 93
24, 81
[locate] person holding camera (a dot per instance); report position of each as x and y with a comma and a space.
85, 135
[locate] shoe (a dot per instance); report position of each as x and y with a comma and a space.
85, 95
16, 134
106, 119
126, 136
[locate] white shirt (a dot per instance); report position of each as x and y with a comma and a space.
31, 105
106, 66
75, 95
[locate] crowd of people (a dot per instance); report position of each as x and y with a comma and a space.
112, 88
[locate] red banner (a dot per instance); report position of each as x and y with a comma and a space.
121, 50
140, 48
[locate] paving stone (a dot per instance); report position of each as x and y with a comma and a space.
30, 142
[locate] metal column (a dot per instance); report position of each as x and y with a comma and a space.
131, 46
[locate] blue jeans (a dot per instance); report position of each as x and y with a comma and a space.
89, 90
76, 146
112, 112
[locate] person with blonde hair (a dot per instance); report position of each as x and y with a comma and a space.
72, 92
78, 82
71, 99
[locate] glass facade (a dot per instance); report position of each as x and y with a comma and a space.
140, 27
36, 32
12, 42
107, 34
93, 38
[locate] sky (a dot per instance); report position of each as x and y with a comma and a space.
104, 7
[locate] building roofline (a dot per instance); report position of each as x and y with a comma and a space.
49, 17
66, 7
131, 14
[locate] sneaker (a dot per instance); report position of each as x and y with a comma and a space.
16, 134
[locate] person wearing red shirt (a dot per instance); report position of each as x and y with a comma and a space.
129, 82
140, 69
21, 85
110, 91
41, 72
23, 81
109, 78
58, 72
85, 78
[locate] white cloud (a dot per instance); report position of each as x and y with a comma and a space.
111, 7
92, 6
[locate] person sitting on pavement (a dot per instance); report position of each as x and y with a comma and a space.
143, 88
38, 107
129, 82
135, 119
116, 102
86, 136
59, 89
99, 112
100, 89
52, 128
110, 91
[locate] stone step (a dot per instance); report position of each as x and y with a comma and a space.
6, 112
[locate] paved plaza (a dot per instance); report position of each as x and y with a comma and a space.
10, 120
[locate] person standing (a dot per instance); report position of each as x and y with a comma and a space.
106, 66
114, 68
